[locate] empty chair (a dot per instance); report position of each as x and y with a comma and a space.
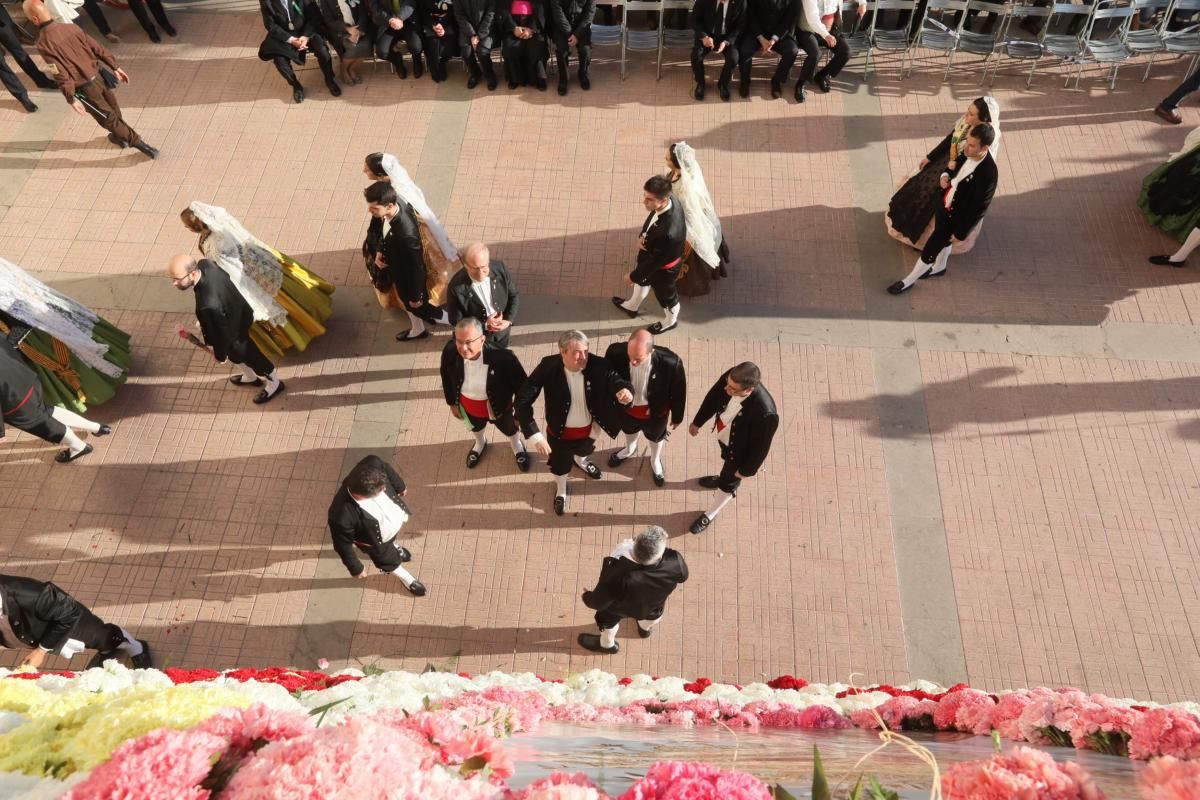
1185, 42
1111, 49
857, 31
674, 37
896, 40
1148, 41
1067, 46
984, 44
645, 41
937, 35
1020, 48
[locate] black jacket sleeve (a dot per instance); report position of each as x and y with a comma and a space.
394, 478
343, 543
509, 311
761, 437
678, 391
608, 586
446, 369
274, 29
736, 27
212, 324
526, 396
585, 17
404, 256
713, 401
60, 611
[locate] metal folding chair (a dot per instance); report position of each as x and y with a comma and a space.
1111, 49
1185, 42
1019, 48
934, 34
1148, 41
644, 41
984, 44
892, 40
856, 31
1067, 46
675, 37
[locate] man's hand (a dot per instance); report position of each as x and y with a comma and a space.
415, 304
438, 30
924, 163
354, 33
380, 261
474, 41
301, 42
35, 658
454, 411
720, 48
765, 43
495, 324
831, 40
362, 576
572, 40
738, 475
693, 430
122, 76
542, 447
943, 181
628, 279
78, 108
674, 425
707, 42
395, 23
624, 397
862, 9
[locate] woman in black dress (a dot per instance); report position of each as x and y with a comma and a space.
910, 212
705, 254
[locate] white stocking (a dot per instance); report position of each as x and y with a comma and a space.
404, 575
272, 382
560, 482
248, 374
939, 263
656, 456
416, 326
636, 297
73, 442
480, 441
608, 636
631, 444
671, 315
720, 500
1189, 244
919, 269
131, 645
518, 446
443, 317
582, 462
73, 420
648, 624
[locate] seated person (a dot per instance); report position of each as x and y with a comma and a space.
523, 24
396, 23
439, 35
294, 31
351, 32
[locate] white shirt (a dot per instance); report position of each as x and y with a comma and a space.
639, 376
813, 11
390, 516
347, 14
387, 225
966, 169
578, 416
483, 290
475, 378
732, 410
654, 218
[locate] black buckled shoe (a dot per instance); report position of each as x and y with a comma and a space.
560, 505
616, 459
776, 90
822, 82
1165, 261
743, 88
240, 380
700, 525
658, 328
105, 430
404, 554
473, 457
710, 482
523, 461
592, 471
723, 90
800, 96
333, 88
643, 633
417, 589
660, 479
590, 641
585, 82
298, 94
619, 302
405, 336
263, 397
97, 661
472, 81
143, 660
65, 457
699, 92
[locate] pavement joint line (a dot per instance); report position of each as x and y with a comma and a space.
928, 606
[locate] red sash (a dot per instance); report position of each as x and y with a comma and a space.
638, 412
476, 408
720, 425
28, 395
673, 264
575, 434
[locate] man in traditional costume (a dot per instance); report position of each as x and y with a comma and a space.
659, 257
650, 388
484, 289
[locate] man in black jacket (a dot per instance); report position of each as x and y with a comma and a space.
479, 383
718, 25
395, 22
394, 237
10, 42
366, 514
225, 320
969, 190
771, 29
25, 409
439, 35
635, 582
745, 422
523, 26
294, 31
484, 289
576, 386
476, 39
39, 615
571, 23
660, 255
650, 387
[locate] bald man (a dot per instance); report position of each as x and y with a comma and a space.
650, 387
225, 321
78, 58
485, 290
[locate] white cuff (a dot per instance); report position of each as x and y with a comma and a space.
537, 437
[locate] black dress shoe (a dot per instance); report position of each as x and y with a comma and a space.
562, 87
540, 83
1165, 261
658, 328
899, 288
417, 588
146, 150
97, 661
560, 505
700, 525
401, 70
170, 31
473, 457
405, 555
118, 141
403, 336
822, 82
592, 471
333, 88
523, 461
931, 274
263, 397
492, 84
105, 430
723, 90
800, 97
699, 92
744, 88
660, 480
240, 380
65, 457
616, 459
154, 37
776, 90
513, 85
619, 302
710, 482
143, 660
585, 82
28, 104
590, 641
643, 633
298, 94
418, 68
472, 81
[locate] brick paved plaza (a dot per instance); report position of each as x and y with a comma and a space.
993, 478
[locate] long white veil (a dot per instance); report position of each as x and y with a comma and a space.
410, 193
250, 264
703, 225
994, 111
34, 303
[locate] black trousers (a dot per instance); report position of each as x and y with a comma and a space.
662, 283
562, 52
810, 43
138, 7
611, 619
96, 634
525, 59
939, 238
10, 42
385, 557
785, 47
563, 452
727, 480
699, 51
318, 47
439, 50
1181, 91
506, 422
479, 58
34, 418
92, 7
247, 352
654, 429
388, 39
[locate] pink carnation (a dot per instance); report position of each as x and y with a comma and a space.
477, 751
682, 780
1055, 710
561, 786
945, 718
1023, 774
1104, 726
898, 713
1006, 718
1168, 778
246, 728
165, 764
1165, 732
770, 714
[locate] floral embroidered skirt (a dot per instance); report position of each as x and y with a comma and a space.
307, 298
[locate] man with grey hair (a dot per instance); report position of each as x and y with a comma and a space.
635, 582
479, 383
576, 384
484, 289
